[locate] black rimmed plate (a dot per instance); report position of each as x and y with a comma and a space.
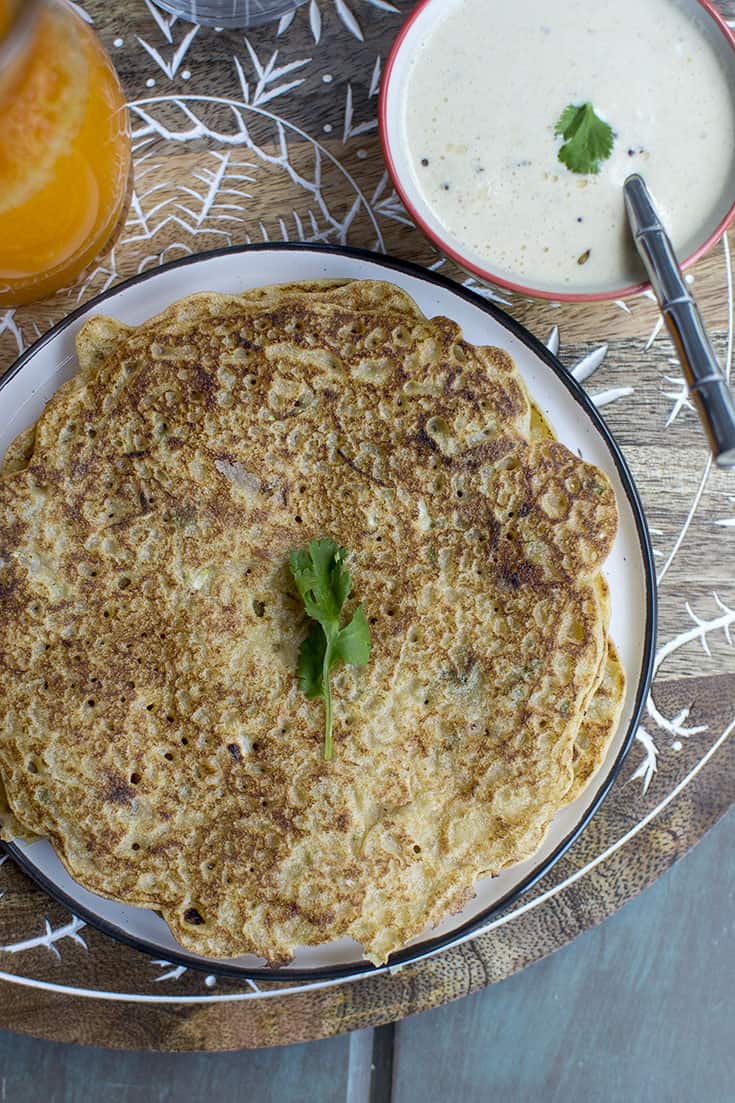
39, 372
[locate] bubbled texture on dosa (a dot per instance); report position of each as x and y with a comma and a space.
151, 722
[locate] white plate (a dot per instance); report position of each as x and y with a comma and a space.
40, 371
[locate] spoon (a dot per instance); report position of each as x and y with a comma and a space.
707, 385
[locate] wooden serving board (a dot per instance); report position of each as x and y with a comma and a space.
271, 135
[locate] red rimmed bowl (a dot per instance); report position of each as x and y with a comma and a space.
403, 166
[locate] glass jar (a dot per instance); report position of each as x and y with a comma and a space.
230, 13
65, 158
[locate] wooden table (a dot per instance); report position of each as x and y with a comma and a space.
271, 135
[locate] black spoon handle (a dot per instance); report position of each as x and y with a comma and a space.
707, 385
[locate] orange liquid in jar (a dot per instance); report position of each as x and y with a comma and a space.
64, 155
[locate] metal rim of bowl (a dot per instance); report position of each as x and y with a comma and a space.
428, 947
477, 270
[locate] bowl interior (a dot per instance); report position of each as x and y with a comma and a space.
419, 29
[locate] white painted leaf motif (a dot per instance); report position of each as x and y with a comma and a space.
266, 74
676, 726
244, 86
9, 325
388, 204
81, 12
348, 18
215, 201
220, 196
375, 78
587, 365
344, 11
484, 291
49, 938
680, 398
259, 69
350, 131
648, 767
164, 21
315, 20
170, 68
702, 629
285, 22
215, 189
659, 324
604, 398
173, 973
181, 50
552, 341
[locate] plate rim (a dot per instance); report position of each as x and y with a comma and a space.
429, 946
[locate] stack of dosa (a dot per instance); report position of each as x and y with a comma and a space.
151, 725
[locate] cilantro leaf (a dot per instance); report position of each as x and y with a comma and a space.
352, 645
321, 580
324, 584
588, 139
311, 661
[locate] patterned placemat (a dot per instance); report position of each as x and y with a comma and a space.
271, 135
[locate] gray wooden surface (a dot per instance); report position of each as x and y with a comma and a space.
641, 1008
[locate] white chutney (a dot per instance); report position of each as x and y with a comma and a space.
483, 90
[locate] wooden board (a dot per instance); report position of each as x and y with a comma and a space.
271, 136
